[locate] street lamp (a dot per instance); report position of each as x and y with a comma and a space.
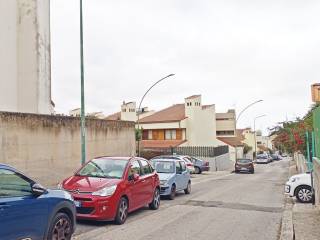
243, 110
255, 135
83, 117
144, 95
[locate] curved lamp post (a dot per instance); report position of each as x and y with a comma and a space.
243, 110
144, 95
255, 135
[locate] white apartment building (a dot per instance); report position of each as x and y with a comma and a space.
25, 83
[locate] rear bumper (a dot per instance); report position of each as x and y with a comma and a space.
205, 168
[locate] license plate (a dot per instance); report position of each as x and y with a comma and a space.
287, 189
243, 169
77, 203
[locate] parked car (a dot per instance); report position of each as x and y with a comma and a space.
263, 158
299, 186
275, 157
244, 165
108, 188
30, 211
200, 165
174, 176
187, 160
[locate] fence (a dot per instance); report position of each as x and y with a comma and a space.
218, 157
195, 151
316, 129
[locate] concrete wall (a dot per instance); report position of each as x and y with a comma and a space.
220, 163
25, 83
47, 148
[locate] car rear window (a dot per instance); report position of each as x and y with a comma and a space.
244, 160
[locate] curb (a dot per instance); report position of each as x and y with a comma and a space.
287, 229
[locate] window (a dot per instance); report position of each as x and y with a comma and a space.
183, 166
170, 134
104, 168
13, 185
178, 167
259, 142
135, 168
145, 167
220, 133
150, 134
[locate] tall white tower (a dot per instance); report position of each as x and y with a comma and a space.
25, 82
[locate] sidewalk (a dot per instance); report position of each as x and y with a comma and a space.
306, 222
300, 221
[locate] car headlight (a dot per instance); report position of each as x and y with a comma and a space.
163, 182
105, 192
294, 179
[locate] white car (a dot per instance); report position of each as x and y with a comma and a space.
299, 186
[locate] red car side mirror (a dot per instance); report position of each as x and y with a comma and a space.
136, 177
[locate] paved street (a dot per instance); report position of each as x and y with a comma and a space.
221, 206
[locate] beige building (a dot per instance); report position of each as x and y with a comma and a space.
226, 124
25, 83
129, 112
187, 124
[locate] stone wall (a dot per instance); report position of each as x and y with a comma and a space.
300, 163
47, 148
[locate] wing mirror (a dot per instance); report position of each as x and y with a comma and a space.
38, 190
134, 177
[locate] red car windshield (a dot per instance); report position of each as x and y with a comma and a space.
104, 168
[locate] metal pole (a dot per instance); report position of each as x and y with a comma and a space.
311, 165
144, 95
83, 118
255, 140
241, 112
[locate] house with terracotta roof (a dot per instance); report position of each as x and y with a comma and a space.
186, 124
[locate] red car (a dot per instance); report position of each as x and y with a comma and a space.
108, 188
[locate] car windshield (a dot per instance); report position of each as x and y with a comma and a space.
104, 168
163, 166
243, 160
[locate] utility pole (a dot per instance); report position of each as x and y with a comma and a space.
83, 117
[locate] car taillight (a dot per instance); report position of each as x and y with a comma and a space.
207, 163
189, 164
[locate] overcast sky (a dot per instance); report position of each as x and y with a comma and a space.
233, 52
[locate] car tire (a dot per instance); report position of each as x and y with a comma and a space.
154, 205
252, 172
122, 211
197, 170
304, 194
173, 192
61, 227
188, 189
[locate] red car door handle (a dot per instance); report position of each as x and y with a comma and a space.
143, 180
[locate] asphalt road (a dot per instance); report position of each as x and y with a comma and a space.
221, 206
